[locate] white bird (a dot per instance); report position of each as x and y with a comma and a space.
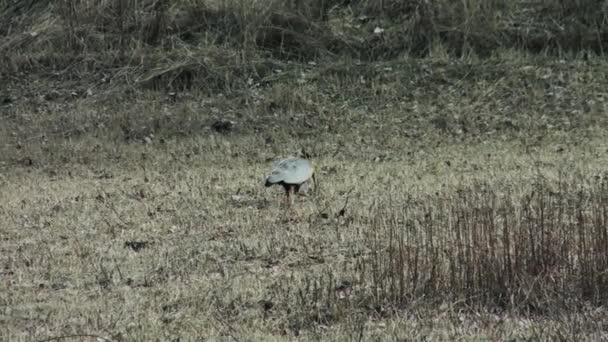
291, 173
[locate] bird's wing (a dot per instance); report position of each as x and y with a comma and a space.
290, 171
280, 163
296, 171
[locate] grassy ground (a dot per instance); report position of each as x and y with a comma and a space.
108, 233
462, 195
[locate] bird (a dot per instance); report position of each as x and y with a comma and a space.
292, 174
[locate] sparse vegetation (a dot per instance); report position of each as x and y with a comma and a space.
460, 148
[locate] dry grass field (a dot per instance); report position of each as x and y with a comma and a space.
462, 195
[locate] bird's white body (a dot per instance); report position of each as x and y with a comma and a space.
291, 171
293, 174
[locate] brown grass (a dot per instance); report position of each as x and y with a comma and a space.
217, 46
462, 193
170, 244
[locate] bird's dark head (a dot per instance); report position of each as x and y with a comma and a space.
268, 182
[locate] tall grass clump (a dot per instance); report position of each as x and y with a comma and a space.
541, 252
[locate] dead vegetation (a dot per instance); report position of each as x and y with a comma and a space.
216, 46
460, 145
489, 246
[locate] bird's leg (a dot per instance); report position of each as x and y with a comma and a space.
287, 199
296, 189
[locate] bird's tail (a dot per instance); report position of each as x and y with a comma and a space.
268, 182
